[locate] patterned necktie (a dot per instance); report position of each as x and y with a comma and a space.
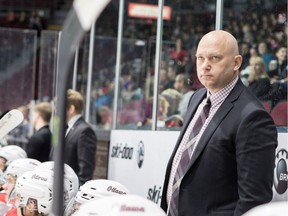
185, 158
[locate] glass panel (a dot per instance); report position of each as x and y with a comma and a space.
47, 64
103, 85
177, 77
82, 74
261, 29
131, 106
17, 67
82, 67
17, 78
188, 22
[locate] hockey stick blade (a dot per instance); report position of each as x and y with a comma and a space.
81, 17
9, 121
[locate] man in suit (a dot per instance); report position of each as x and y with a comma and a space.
39, 144
80, 139
230, 166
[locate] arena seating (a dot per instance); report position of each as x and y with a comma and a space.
279, 113
267, 105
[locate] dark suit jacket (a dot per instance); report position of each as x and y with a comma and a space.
231, 170
80, 150
39, 144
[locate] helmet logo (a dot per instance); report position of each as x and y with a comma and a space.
125, 208
115, 190
35, 176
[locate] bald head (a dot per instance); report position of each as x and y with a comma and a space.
218, 60
223, 39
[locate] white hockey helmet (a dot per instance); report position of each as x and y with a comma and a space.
129, 205
21, 165
37, 185
71, 181
12, 152
95, 189
16, 168
98, 188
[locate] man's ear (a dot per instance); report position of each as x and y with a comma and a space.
71, 109
238, 62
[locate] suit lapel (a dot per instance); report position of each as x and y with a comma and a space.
221, 113
70, 132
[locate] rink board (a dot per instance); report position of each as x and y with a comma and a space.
138, 160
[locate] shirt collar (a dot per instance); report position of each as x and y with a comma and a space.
72, 121
221, 95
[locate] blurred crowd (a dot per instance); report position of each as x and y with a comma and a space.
24, 20
262, 37
261, 33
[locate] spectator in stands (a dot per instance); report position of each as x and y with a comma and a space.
259, 82
105, 117
178, 54
245, 73
247, 34
244, 50
190, 66
173, 97
279, 76
163, 79
163, 107
253, 52
265, 53
104, 96
39, 144
130, 90
171, 74
183, 85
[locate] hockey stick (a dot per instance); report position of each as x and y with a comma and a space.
9, 121
80, 19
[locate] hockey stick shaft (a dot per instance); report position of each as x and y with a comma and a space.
70, 38
79, 20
